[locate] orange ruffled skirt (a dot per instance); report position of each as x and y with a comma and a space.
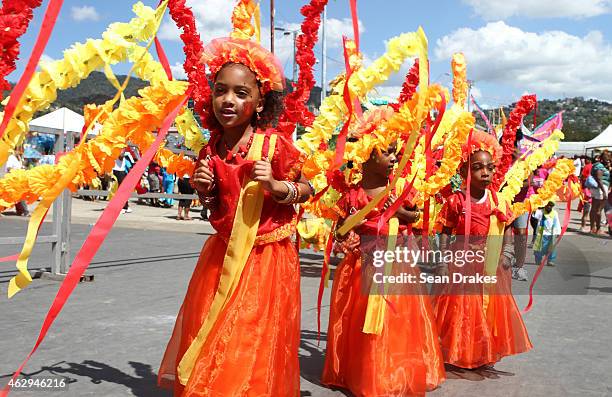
404, 360
469, 339
252, 350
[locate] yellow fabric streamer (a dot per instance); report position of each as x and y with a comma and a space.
30, 185
495, 242
242, 238
68, 171
376, 308
79, 61
23, 278
521, 170
562, 170
333, 109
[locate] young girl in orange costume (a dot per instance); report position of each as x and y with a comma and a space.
479, 324
239, 335
404, 358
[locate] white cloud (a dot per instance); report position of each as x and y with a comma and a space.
336, 28
46, 58
178, 72
213, 19
549, 63
476, 93
501, 9
84, 13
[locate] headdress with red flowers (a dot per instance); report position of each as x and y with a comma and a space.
260, 61
481, 140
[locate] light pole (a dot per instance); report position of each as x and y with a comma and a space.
287, 32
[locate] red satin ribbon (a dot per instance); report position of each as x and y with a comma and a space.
98, 234
341, 140
297, 233
566, 220
163, 59
9, 258
355, 23
324, 271
53, 9
468, 198
393, 208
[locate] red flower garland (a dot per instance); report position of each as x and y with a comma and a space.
193, 66
410, 85
15, 17
525, 105
295, 102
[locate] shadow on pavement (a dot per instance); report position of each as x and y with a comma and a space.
144, 384
311, 362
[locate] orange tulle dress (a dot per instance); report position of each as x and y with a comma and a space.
252, 349
471, 338
404, 360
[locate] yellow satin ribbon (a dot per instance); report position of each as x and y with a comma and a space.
239, 246
495, 243
23, 278
377, 307
352, 221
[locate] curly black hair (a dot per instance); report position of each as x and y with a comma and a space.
268, 117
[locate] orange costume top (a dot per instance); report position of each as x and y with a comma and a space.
405, 359
470, 336
252, 347
286, 165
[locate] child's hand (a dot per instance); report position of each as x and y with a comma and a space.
390, 200
351, 244
203, 177
262, 173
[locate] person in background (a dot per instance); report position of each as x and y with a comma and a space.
167, 187
549, 228
154, 185
184, 187
15, 162
577, 165
537, 180
600, 173
520, 229
120, 171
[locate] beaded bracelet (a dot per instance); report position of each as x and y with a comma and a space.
291, 193
298, 194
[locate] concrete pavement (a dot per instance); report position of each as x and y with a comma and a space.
110, 336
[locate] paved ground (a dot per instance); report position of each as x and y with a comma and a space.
110, 336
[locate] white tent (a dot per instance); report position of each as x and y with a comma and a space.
62, 119
601, 141
571, 149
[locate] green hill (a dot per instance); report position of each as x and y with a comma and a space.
96, 89
583, 119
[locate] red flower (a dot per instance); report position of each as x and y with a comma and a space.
295, 102
525, 105
15, 17
410, 84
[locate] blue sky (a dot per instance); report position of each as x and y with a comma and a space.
555, 48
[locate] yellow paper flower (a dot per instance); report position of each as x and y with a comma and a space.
521, 170
562, 170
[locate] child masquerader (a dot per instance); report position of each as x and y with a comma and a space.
238, 330
478, 320
399, 354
